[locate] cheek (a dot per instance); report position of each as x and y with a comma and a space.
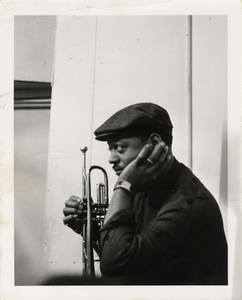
130, 157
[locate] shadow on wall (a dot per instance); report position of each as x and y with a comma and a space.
31, 138
223, 184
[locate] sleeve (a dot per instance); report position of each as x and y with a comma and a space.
122, 249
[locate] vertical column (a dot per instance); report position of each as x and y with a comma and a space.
188, 97
70, 128
210, 105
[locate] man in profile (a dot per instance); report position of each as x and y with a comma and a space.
162, 225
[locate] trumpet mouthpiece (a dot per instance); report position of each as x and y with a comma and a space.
84, 149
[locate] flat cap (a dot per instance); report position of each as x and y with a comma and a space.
137, 118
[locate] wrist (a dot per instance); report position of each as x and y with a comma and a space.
125, 185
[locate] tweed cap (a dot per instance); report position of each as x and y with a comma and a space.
137, 118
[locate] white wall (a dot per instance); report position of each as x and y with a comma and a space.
34, 48
34, 38
141, 59
210, 105
105, 63
70, 128
31, 133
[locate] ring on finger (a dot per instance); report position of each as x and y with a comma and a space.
150, 161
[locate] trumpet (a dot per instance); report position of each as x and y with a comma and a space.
95, 215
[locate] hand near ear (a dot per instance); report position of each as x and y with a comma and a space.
151, 163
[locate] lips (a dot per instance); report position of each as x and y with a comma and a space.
118, 171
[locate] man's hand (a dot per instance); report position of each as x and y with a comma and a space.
151, 163
74, 213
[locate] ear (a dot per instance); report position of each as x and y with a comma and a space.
154, 139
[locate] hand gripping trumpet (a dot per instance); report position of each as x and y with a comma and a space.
96, 212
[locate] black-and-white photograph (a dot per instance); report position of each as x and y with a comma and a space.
140, 93
121, 153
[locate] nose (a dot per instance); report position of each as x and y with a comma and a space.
113, 158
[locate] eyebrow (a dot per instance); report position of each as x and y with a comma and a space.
115, 142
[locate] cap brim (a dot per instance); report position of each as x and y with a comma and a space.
105, 136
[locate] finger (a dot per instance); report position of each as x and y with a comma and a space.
158, 149
72, 218
68, 219
75, 213
145, 152
80, 207
166, 162
75, 198
72, 203
72, 211
164, 154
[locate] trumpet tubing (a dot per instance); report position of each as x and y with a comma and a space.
96, 212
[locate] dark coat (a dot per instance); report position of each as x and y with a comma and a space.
173, 236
